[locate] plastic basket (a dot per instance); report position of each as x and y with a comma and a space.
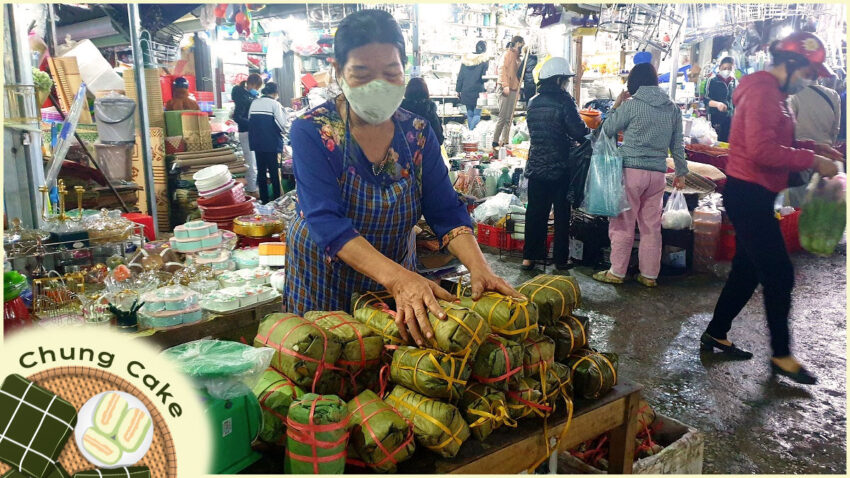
491, 236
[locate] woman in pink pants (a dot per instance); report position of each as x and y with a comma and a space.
652, 125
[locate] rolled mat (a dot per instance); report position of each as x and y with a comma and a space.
375, 310
498, 363
438, 426
594, 373
555, 296
381, 437
275, 392
525, 399
508, 317
316, 435
304, 352
538, 353
361, 346
570, 334
485, 410
429, 372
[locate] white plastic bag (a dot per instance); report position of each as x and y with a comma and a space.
676, 215
495, 208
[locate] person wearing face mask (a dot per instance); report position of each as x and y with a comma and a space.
509, 79
762, 155
652, 126
366, 172
267, 125
242, 96
719, 98
553, 124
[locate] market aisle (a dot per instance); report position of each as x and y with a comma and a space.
762, 425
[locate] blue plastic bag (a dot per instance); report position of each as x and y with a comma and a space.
604, 191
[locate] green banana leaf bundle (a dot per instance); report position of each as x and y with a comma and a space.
461, 333
556, 384
498, 363
316, 435
361, 346
275, 393
429, 372
525, 399
304, 352
594, 373
570, 333
485, 410
376, 310
508, 317
538, 352
360, 381
380, 435
555, 296
438, 426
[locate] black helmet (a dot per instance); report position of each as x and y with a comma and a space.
180, 82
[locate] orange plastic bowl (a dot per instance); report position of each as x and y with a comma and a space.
592, 118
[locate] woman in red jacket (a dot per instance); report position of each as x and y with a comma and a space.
762, 155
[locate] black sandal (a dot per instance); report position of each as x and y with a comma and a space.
529, 267
709, 343
800, 376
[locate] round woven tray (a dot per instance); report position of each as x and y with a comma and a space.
76, 385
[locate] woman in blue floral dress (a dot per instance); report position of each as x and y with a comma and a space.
366, 171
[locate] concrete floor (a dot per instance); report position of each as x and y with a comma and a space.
752, 423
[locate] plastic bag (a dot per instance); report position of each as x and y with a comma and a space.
823, 217
702, 132
676, 215
225, 369
495, 208
604, 192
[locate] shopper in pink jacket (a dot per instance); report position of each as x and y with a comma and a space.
762, 155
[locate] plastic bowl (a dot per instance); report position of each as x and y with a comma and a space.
229, 211
212, 177
232, 196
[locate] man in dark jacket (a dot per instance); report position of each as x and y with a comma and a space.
719, 98
470, 82
553, 123
242, 96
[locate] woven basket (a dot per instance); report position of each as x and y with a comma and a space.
77, 385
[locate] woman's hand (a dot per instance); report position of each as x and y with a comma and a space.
486, 281
414, 296
825, 167
624, 95
823, 149
679, 182
506, 91
719, 105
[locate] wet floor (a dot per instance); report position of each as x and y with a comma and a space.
752, 423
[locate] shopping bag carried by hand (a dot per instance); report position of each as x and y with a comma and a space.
824, 215
604, 192
676, 215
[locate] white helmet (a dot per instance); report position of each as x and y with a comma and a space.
555, 66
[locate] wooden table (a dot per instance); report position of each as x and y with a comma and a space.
234, 326
514, 450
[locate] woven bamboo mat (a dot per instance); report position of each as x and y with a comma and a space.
77, 385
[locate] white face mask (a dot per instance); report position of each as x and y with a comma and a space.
374, 102
725, 73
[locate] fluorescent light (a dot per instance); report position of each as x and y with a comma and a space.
712, 18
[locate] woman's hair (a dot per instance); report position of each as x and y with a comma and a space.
270, 89
727, 59
517, 39
643, 74
363, 28
417, 89
255, 79
481, 47
243, 83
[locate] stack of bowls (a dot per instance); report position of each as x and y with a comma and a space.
221, 198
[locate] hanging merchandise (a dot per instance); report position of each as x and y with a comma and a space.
824, 215
604, 192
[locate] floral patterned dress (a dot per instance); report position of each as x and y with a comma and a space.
341, 196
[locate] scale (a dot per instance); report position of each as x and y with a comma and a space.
236, 420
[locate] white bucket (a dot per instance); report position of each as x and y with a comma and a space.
116, 123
